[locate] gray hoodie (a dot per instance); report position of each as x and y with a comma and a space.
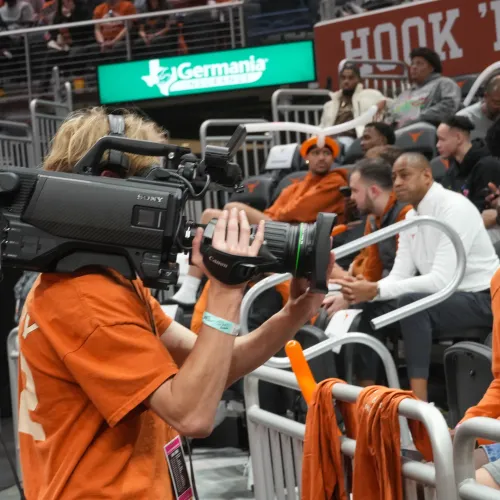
435, 101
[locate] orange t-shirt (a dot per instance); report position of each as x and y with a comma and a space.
303, 200
112, 29
88, 360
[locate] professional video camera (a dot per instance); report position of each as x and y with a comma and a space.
59, 222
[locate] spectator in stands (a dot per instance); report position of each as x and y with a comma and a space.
351, 101
371, 186
388, 153
154, 29
433, 98
429, 252
471, 166
484, 113
59, 42
377, 134
110, 36
114, 378
318, 191
14, 15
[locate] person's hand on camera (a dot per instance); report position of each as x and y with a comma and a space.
231, 235
304, 303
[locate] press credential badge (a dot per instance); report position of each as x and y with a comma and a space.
181, 483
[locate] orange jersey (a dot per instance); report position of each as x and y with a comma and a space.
88, 359
303, 200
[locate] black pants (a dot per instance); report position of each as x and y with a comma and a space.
461, 311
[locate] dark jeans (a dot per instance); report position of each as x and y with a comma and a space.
461, 311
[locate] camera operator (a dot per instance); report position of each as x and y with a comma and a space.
107, 379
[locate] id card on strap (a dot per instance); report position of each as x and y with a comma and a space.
181, 483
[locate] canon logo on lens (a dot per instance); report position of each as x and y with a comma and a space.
218, 262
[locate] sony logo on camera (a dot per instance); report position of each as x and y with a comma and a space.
147, 197
218, 262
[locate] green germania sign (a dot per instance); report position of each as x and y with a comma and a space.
269, 65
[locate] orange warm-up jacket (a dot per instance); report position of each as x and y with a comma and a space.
377, 466
322, 468
489, 406
368, 262
303, 200
375, 425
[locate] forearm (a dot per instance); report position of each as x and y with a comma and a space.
254, 349
202, 378
98, 35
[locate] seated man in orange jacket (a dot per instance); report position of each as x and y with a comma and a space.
318, 191
371, 190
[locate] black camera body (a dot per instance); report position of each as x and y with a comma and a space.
59, 222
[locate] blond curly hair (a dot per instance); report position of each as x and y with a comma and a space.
82, 129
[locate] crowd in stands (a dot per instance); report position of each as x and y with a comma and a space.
387, 185
61, 47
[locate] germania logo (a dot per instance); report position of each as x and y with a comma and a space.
185, 76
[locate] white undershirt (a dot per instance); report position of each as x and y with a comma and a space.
428, 251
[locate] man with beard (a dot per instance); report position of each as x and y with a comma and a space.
471, 166
351, 101
371, 190
485, 112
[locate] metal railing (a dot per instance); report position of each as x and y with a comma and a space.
276, 443
13, 362
354, 247
46, 118
16, 145
375, 75
297, 105
192, 30
464, 443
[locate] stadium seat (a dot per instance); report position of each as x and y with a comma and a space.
439, 167
259, 189
418, 138
354, 153
468, 375
465, 83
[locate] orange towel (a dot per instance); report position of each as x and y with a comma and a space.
322, 468
377, 469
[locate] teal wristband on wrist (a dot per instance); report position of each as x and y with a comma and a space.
220, 324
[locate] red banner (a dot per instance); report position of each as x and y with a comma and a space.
465, 33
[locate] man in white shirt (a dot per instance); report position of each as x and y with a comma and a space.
484, 113
425, 262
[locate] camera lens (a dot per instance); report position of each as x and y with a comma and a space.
292, 245
302, 250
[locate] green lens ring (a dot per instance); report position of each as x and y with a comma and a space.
301, 238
